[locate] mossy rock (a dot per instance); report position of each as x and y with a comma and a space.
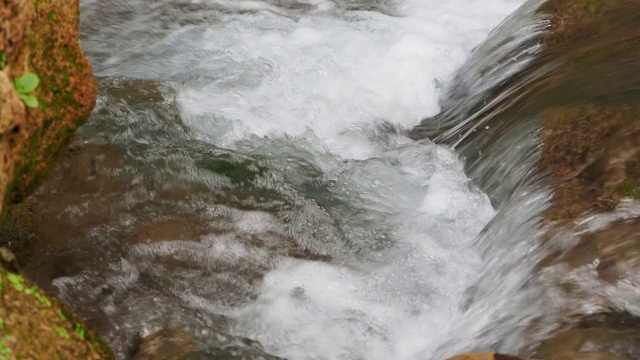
40, 37
35, 326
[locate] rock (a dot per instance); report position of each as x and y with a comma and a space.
166, 344
173, 344
485, 356
34, 326
8, 260
594, 152
585, 356
40, 37
614, 336
615, 250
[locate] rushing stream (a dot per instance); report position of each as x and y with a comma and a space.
248, 171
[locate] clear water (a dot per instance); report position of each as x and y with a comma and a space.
313, 99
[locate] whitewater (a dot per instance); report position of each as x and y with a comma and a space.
324, 93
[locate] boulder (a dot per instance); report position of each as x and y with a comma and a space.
39, 37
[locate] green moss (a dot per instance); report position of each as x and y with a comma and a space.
237, 172
56, 61
28, 308
5, 350
592, 6
630, 189
16, 280
63, 332
34, 291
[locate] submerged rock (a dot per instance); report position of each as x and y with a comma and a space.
606, 336
169, 344
485, 356
166, 344
614, 252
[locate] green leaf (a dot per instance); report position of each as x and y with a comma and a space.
43, 299
5, 350
27, 83
63, 333
34, 292
79, 330
16, 281
29, 100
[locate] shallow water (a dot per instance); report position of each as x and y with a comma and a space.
251, 173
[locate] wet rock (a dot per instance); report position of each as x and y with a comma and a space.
615, 250
173, 344
611, 335
40, 37
485, 356
166, 344
594, 152
586, 356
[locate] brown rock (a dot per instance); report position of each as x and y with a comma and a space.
166, 344
594, 152
586, 356
484, 356
40, 37
614, 336
616, 250
35, 326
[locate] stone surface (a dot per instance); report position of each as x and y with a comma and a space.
605, 336
485, 356
166, 344
177, 343
615, 250
40, 36
33, 326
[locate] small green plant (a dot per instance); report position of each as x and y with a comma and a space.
16, 280
79, 330
1, 323
5, 350
34, 291
26, 84
3, 60
63, 332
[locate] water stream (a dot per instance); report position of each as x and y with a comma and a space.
248, 170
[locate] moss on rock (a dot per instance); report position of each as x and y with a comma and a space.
34, 326
591, 137
40, 37
36, 41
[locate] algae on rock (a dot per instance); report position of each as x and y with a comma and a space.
39, 40
40, 37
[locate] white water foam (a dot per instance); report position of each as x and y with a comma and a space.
268, 71
329, 71
331, 74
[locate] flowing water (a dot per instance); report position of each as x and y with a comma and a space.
248, 171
